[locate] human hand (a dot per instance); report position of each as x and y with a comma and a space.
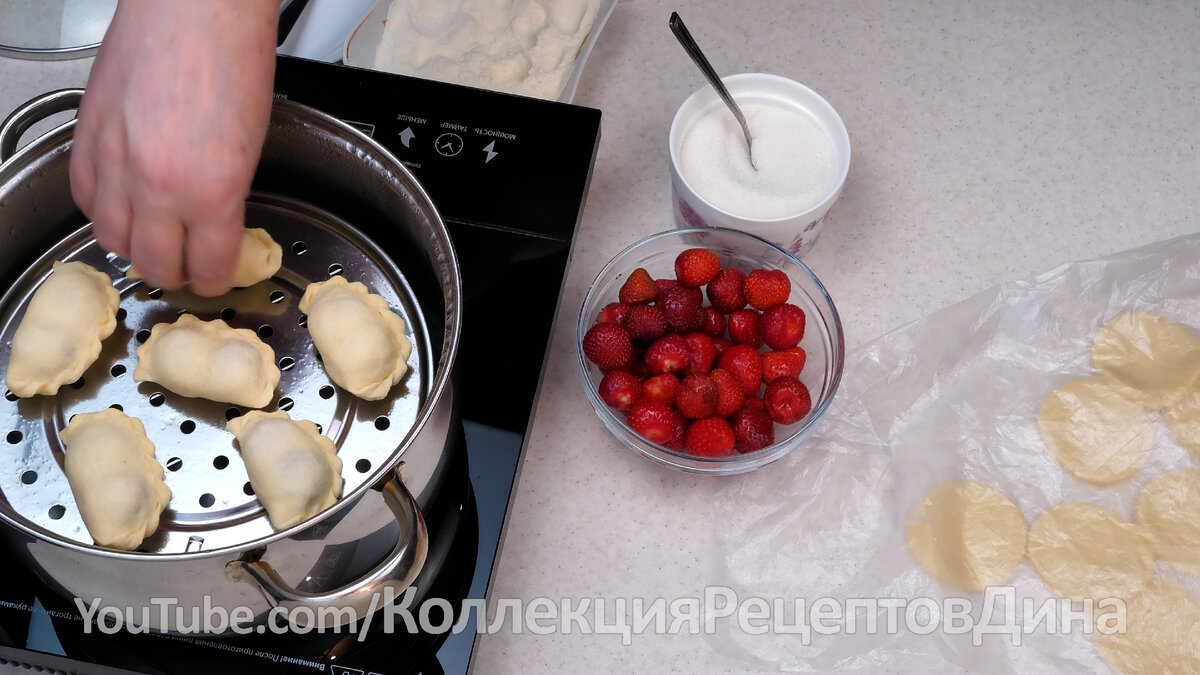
170, 131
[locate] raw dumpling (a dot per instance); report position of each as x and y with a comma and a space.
117, 484
258, 260
209, 359
59, 336
361, 340
294, 470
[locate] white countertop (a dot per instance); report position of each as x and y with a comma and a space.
991, 141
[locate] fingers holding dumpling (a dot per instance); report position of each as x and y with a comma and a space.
362, 342
59, 337
259, 258
211, 360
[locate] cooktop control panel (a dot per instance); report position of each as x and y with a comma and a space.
486, 158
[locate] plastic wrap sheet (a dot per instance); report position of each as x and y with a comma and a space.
954, 395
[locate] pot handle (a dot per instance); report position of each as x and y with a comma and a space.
363, 595
33, 112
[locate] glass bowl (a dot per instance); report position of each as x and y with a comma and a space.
823, 340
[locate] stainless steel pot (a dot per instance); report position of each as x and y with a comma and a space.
338, 188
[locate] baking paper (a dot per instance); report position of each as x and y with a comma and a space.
820, 534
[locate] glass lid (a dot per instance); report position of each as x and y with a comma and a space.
53, 29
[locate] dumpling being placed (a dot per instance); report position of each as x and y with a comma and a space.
258, 260
361, 340
209, 359
59, 336
294, 470
117, 484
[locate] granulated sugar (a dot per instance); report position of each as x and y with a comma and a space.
795, 159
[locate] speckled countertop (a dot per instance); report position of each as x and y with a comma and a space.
991, 141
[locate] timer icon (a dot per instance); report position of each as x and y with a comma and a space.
448, 144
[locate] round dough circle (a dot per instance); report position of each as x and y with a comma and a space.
1094, 431
1086, 551
1152, 354
967, 534
1167, 510
1182, 418
1161, 632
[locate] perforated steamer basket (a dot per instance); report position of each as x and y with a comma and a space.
215, 545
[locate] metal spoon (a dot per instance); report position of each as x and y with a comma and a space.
693, 50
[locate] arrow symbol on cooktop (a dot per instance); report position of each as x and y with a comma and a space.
406, 136
343, 670
490, 149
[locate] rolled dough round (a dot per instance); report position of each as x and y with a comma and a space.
1182, 418
1152, 354
1095, 431
1161, 632
967, 534
1168, 509
1083, 551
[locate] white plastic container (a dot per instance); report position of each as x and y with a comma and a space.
796, 232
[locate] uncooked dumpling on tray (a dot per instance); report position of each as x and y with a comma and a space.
209, 359
59, 336
258, 260
360, 338
294, 470
114, 477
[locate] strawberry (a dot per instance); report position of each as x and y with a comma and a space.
613, 312
766, 288
620, 390
781, 326
607, 345
697, 397
721, 345
665, 285
709, 437
744, 364
755, 402
787, 363
703, 353
670, 354
696, 267
682, 309
725, 291
645, 323
743, 328
714, 322
752, 429
638, 289
656, 421
730, 396
661, 386
787, 400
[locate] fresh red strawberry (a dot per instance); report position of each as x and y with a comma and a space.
755, 402
709, 437
743, 328
661, 386
645, 323
787, 363
697, 397
607, 345
655, 421
714, 322
752, 429
670, 354
620, 390
665, 285
682, 309
782, 326
613, 312
730, 396
744, 364
722, 345
675, 442
703, 353
766, 288
639, 288
696, 267
787, 400
725, 291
